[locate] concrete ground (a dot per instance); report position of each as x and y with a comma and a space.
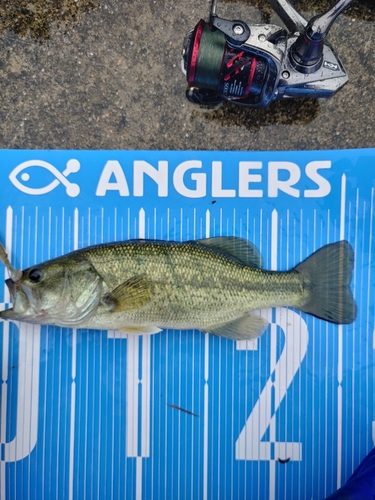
105, 74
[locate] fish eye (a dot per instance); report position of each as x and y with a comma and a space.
35, 275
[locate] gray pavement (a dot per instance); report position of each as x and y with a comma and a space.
105, 74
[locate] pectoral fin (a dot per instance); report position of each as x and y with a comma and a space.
131, 295
245, 328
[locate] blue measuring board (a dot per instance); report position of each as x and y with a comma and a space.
180, 414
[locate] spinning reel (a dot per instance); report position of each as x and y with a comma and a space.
253, 65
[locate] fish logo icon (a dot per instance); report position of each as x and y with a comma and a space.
72, 166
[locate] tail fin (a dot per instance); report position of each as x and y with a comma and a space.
327, 275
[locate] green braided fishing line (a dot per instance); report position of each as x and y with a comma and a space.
210, 57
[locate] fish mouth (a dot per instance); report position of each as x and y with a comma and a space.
21, 304
12, 288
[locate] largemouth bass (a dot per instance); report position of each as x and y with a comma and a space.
142, 286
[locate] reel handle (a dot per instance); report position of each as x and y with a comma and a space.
306, 54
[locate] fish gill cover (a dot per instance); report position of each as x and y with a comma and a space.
181, 414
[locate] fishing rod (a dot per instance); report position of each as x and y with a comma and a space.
255, 64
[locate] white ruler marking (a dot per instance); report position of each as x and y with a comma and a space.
340, 348
4, 384
132, 364
73, 374
205, 393
272, 427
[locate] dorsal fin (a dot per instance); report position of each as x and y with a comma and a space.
241, 249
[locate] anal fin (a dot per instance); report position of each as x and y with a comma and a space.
245, 328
